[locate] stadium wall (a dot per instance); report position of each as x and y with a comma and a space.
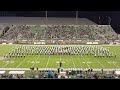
52, 42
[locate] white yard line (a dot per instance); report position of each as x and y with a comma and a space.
21, 63
100, 63
5, 65
85, 61
108, 58
63, 61
8, 62
47, 62
29, 60
79, 61
35, 61
60, 58
8, 48
110, 61
115, 64
5, 51
73, 63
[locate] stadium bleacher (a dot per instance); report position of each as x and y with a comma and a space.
82, 32
36, 28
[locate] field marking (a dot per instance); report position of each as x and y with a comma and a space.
100, 63
35, 61
108, 58
105, 58
47, 62
88, 62
63, 62
10, 58
115, 65
85, 61
59, 62
29, 60
60, 58
5, 51
20, 63
78, 60
112, 63
5, 65
73, 63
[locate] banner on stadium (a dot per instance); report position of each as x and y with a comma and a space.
39, 42
92, 42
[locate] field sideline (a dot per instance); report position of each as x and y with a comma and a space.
50, 61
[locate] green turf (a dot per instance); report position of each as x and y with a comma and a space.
50, 61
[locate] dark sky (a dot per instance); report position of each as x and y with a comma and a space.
115, 15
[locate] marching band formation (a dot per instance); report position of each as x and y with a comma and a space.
93, 50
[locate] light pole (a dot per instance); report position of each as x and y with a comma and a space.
99, 20
109, 20
76, 23
46, 17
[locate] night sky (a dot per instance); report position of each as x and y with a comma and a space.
92, 15
115, 15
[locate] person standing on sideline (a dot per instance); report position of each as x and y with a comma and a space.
58, 70
37, 68
60, 64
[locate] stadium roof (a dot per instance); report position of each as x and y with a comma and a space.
42, 21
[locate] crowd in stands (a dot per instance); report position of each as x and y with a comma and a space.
37, 32
18, 32
10, 76
70, 74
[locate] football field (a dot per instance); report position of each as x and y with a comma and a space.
52, 61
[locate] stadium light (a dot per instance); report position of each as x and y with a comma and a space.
76, 21
109, 20
46, 17
76, 16
99, 20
